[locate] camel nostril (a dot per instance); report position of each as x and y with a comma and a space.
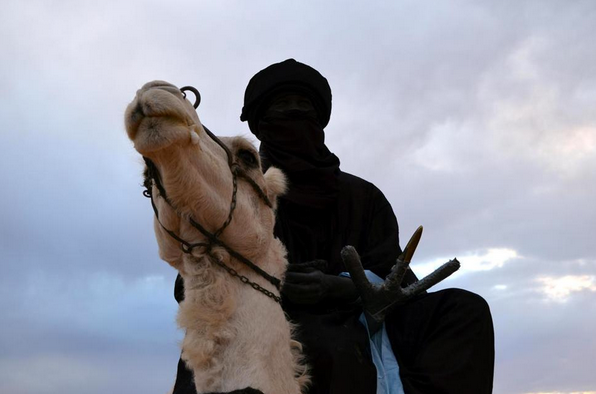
137, 114
138, 111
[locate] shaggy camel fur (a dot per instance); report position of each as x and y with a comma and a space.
236, 337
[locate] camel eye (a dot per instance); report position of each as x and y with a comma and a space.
248, 158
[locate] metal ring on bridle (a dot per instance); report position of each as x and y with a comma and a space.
195, 92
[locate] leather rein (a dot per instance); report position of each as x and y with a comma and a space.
154, 179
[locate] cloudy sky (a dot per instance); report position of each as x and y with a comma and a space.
477, 119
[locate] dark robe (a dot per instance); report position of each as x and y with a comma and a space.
443, 341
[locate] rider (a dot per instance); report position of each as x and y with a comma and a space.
443, 341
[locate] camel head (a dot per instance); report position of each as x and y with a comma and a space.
196, 175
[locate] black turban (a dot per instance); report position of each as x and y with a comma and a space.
287, 76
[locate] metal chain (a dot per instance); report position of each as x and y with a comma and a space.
245, 280
232, 203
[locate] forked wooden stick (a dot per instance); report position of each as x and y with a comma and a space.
378, 300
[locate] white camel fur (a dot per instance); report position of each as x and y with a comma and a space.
236, 337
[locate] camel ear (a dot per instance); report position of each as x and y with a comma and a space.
275, 184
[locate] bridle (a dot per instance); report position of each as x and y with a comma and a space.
153, 178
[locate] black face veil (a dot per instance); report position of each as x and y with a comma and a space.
294, 140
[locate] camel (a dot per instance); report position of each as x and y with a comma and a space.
214, 218
236, 337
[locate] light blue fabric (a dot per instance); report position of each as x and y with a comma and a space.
388, 380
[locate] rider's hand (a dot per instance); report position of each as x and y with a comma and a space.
307, 285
